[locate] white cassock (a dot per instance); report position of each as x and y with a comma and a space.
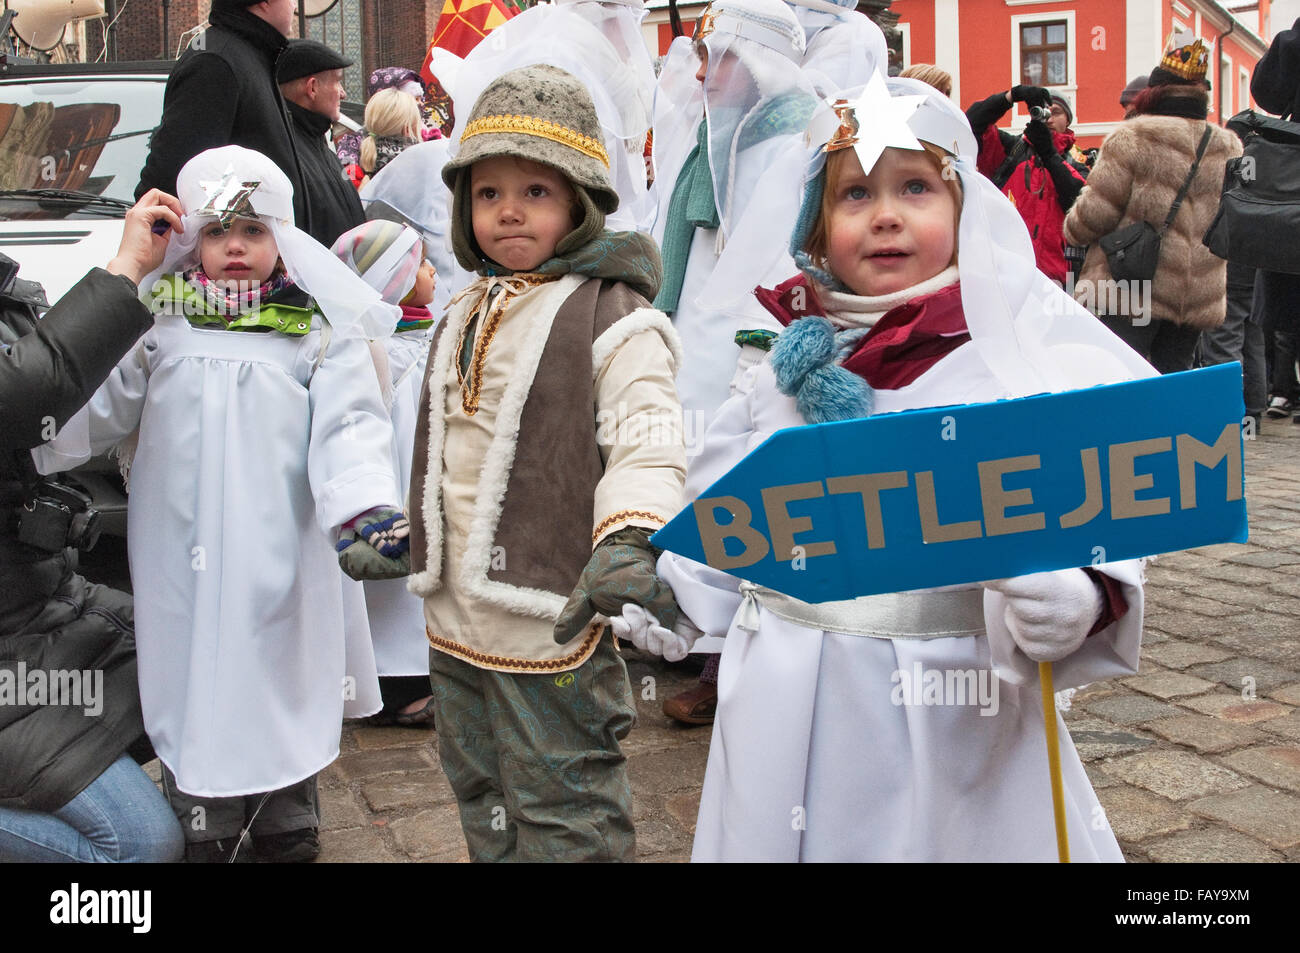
814, 757
396, 615
248, 460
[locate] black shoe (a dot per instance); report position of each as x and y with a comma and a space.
292, 847
226, 851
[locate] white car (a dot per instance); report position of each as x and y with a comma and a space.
73, 139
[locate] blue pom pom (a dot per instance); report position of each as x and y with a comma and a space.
831, 393
806, 344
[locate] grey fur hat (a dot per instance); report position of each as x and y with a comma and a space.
544, 114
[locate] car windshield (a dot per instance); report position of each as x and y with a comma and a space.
72, 139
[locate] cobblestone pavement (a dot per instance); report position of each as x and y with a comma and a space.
1195, 758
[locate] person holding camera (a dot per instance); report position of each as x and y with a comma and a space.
69, 702
1041, 170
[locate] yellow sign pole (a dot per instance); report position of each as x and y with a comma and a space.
1054, 760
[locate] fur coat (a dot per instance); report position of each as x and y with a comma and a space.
1139, 171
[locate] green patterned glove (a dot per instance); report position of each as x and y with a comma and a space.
375, 545
621, 570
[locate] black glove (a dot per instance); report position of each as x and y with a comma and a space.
621, 570
1031, 96
1039, 135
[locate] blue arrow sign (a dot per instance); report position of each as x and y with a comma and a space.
979, 491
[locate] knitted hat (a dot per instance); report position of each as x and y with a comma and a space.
1135, 86
1065, 105
544, 114
386, 255
1185, 63
307, 58
392, 77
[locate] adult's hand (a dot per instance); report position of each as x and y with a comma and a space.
1040, 137
1031, 96
142, 248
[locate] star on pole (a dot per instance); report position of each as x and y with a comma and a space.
874, 122
229, 198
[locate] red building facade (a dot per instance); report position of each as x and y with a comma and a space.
1085, 50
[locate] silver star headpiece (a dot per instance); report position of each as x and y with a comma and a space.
229, 198
874, 122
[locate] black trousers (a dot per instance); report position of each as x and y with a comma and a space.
1168, 346
217, 818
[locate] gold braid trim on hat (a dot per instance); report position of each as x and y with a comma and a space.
542, 128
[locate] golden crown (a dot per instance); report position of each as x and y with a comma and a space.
1188, 62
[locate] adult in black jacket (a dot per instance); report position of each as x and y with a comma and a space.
223, 92
1276, 87
69, 701
311, 81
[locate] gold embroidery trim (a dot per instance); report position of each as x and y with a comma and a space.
542, 128
518, 664
621, 515
469, 397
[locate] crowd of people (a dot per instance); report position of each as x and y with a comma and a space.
378, 402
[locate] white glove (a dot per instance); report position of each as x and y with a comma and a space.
1049, 614
645, 632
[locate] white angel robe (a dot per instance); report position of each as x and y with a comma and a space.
396, 615
814, 757
247, 463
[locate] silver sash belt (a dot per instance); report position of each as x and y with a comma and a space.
893, 615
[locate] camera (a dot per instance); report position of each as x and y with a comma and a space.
1041, 113
57, 516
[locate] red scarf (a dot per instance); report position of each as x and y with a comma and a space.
905, 343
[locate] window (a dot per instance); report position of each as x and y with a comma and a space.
1243, 89
1225, 84
1044, 53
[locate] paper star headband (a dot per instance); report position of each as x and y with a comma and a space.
228, 198
869, 124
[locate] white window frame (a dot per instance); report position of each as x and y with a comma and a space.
1243, 88
905, 30
1070, 89
1226, 90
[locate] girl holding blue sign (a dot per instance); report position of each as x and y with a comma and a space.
905, 726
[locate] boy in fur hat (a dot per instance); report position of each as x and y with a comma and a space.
548, 449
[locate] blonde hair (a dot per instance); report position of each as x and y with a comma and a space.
931, 75
819, 238
390, 112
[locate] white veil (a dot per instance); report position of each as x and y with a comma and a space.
844, 47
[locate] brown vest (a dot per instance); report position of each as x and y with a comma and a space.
557, 462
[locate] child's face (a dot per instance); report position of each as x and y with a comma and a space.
891, 229
520, 210
422, 293
246, 253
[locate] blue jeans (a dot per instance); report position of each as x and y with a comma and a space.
120, 817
